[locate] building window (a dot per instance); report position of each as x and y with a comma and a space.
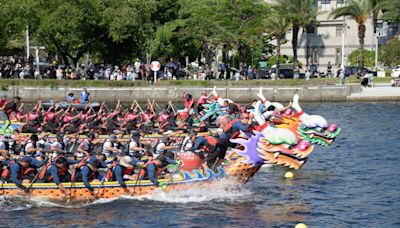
339, 3
338, 58
339, 31
325, 5
315, 56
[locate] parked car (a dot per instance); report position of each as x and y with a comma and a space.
396, 72
286, 71
353, 70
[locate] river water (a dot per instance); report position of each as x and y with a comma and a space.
353, 183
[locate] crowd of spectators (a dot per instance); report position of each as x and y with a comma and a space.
16, 67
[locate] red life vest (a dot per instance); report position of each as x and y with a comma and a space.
228, 129
6, 172
211, 142
188, 103
80, 164
144, 169
23, 171
60, 171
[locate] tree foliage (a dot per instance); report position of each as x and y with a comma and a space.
390, 52
369, 57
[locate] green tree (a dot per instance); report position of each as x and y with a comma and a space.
359, 10
391, 10
369, 57
390, 52
277, 25
301, 15
242, 24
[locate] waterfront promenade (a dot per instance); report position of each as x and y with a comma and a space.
317, 93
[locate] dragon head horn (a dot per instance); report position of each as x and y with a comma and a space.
257, 114
295, 103
214, 92
261, 95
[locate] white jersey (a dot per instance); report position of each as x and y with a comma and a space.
186, 144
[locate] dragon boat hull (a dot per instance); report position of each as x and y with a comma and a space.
111, 189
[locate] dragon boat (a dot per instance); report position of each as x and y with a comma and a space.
288, 144
77, 106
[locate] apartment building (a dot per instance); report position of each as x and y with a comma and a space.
322, 43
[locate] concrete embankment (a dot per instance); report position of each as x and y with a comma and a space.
165, 94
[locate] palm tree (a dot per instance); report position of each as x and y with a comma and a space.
301, 14
277, 25
359, 10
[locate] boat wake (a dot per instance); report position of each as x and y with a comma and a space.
219, 191
223, 190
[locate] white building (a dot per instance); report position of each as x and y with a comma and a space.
325, 38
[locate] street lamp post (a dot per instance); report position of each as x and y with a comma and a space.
345, 27
380, 32
37, 48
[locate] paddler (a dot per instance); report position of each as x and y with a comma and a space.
57, 172
153, 168
17, 171
87, 173
85, 96
122, 170
86, 146
3, 101
223, 143
110, 146
188, 141
71, 98
11, 108
59, 146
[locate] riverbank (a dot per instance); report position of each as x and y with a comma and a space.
315, 91
5, 83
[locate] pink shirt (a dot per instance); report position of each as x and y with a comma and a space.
202, 100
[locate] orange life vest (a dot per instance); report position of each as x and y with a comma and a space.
24, 171
42, 173
80, 164
143, 171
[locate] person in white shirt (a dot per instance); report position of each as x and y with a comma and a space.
59, 146
109, 148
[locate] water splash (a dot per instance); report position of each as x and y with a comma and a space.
222, 191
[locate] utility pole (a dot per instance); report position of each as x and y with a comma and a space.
37, 48
380, 32
344, 28
27, 43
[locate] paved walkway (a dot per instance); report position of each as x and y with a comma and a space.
378, 92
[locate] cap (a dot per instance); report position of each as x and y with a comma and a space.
26, 159
95, 163
135, 133
60, 135
126, 162
164, 139
39, 154
113, 137
70, 94
17, 97
118, 132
